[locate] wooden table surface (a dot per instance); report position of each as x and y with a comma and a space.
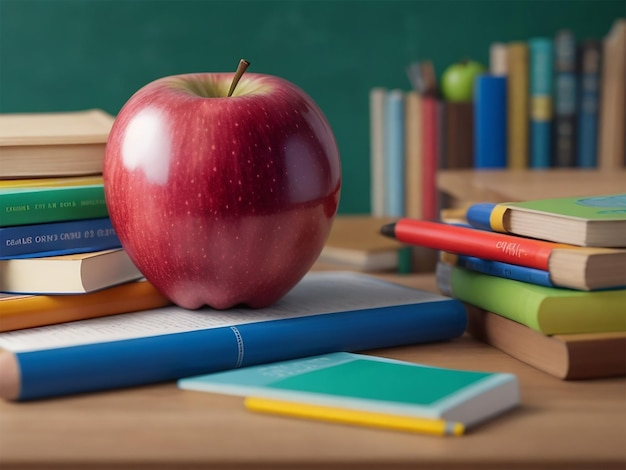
565, 425
467, 186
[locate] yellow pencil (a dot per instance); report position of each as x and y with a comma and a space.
437, 427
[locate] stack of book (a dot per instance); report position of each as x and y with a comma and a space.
355, 244
543, 102
545, 280
58, 248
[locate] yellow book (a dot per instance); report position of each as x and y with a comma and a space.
517, 105
51, 182
27, 311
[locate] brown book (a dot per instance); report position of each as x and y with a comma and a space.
568, 357
355, 242
413, 154
459, 135
517, 105
53, 144
612, 119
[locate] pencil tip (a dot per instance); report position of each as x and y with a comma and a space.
389, 230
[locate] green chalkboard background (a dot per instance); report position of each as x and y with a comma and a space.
73, 54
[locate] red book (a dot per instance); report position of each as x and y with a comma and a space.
598, 267
430, 163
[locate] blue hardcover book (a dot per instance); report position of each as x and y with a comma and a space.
588, 104
326, 312
490, 96
394, 154
541, 62
499, 269
59, 238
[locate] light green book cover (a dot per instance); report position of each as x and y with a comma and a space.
548, 310
597, 208
373, 384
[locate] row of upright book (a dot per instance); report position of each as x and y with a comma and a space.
60, 257
544, 103
543, 280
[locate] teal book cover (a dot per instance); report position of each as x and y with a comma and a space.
371, 384
541, 61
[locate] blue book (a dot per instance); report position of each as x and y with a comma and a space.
58, 238
326, 312
394, 154
588, 104
541, 60
490, 97
499, 269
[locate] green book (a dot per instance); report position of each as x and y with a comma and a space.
598, 221
548, 310
33, 205
369, 384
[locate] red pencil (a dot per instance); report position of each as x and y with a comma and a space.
468, 241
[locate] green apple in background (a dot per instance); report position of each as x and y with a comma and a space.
457, 81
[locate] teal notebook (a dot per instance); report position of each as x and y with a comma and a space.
371, 384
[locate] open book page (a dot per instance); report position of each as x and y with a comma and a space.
317, 293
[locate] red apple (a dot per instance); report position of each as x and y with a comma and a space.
222, 200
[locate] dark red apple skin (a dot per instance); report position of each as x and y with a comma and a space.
222, 201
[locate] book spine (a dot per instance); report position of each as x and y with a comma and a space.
495, 294
23, 207
505, 270
513, 338
517, 105
548, 310
459, 135
468, 241
430, 200
541, 113
140, 361
57, 238
377, 99
413, 157
571, 357
565, 100
394, 154
498, 52
51, 182
588, 104
490, 121
612, 120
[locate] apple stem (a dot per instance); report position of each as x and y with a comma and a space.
241, 68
